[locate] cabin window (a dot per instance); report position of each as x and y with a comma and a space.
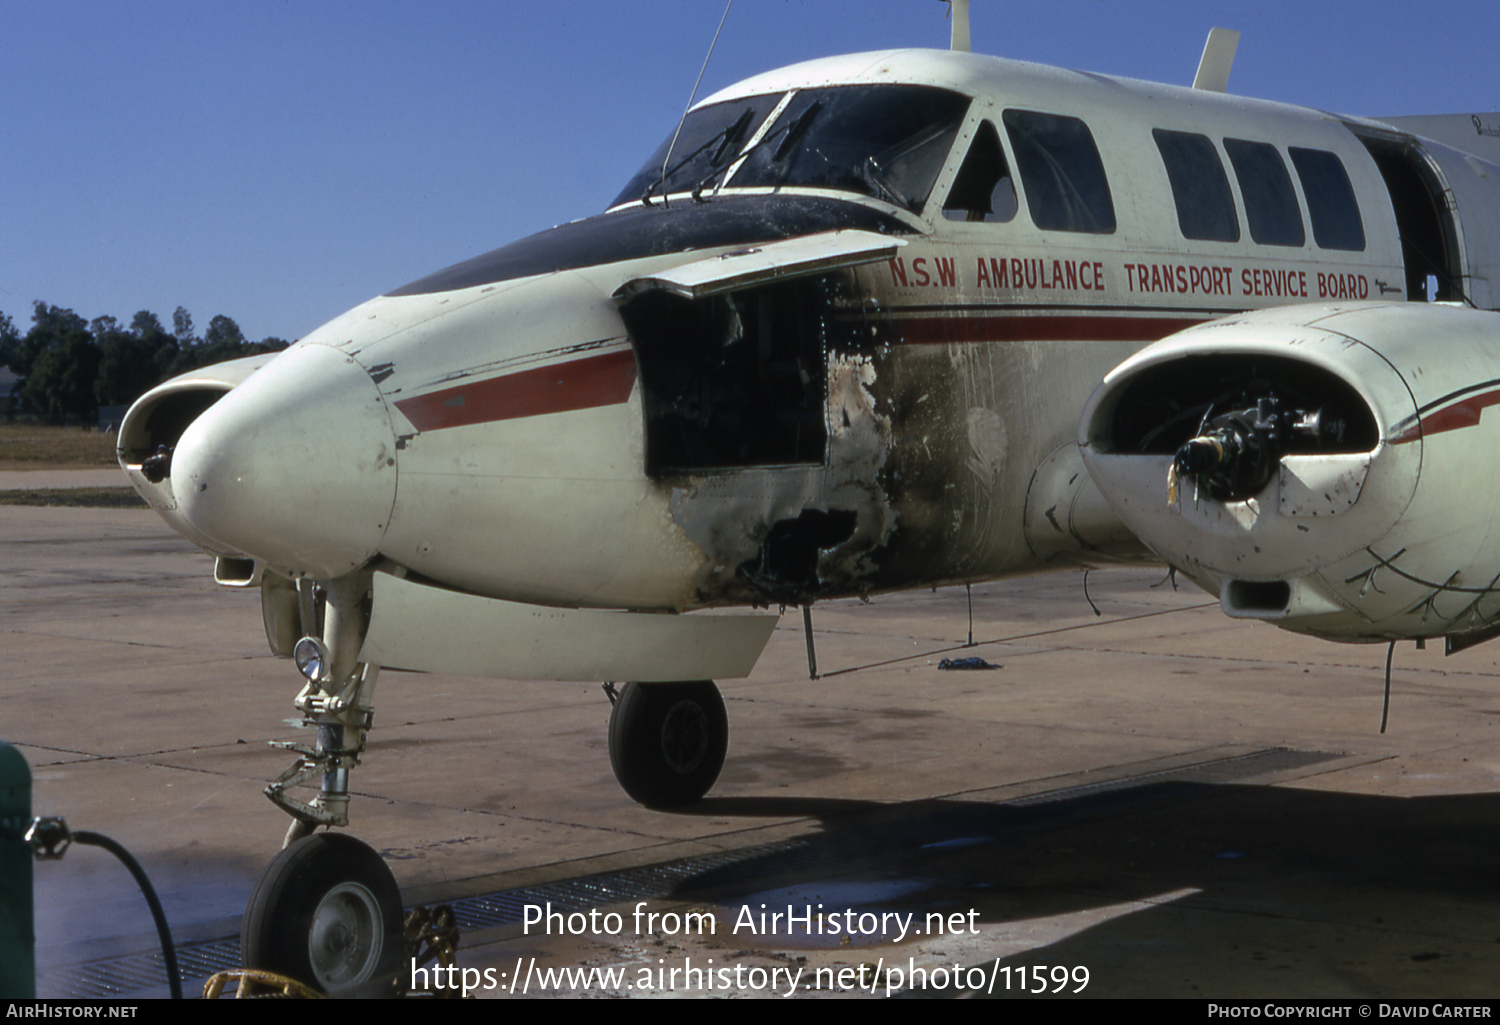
1066, 189
1205, 206
1270, 202
884, 141
1330, 199
983, 190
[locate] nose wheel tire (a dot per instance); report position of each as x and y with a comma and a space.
326, 912
667, 741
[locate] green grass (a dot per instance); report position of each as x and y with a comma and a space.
26, 446
85, 498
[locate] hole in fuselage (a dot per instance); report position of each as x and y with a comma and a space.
733, 380
786, 568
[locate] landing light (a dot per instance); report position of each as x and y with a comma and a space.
311, 656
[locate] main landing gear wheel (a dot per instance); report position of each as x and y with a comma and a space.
326, 912
667, 741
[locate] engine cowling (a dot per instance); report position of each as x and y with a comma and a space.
1326, 468
155, 424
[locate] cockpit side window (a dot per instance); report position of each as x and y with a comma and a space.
1205, 206
1066, 188
1330, 199
983, 190
1270, 203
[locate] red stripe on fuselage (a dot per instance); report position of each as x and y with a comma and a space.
1463, 413
603, 380
937, 330
607, 379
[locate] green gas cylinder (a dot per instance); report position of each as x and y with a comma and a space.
17, 936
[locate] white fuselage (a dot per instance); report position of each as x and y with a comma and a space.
533, 426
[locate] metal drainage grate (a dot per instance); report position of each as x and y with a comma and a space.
116, 977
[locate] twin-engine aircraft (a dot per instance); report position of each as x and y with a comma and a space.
834, 339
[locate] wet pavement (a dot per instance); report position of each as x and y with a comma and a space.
1158, 800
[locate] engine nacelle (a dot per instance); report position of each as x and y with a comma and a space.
154, 425
1326, 468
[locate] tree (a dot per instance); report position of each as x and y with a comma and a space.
9, 338
62, 363
223, 340
10, 341
70, 367
146, 326
182, 327
127, 360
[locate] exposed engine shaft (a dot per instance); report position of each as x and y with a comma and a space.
1236, 453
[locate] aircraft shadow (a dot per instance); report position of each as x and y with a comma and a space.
1179, 889
828, 809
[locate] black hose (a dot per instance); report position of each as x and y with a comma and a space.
169, 952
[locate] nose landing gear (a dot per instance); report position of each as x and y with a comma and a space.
327, 910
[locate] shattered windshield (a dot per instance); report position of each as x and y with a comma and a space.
884, 141
709, 141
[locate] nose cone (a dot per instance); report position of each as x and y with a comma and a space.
296, 467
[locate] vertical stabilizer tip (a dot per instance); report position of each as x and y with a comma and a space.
1218, 58
958, 12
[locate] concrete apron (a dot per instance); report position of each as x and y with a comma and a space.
142, 695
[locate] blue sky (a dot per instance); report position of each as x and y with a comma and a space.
280, 162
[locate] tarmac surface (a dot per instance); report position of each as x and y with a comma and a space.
1157, 801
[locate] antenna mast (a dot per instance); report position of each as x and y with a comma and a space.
694, 94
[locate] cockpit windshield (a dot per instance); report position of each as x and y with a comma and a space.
884, 141
707, 143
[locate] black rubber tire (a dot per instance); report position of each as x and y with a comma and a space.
313, 899
667, 741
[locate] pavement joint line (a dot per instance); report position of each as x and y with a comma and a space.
508, 816
1190, 655
202, 657
851, 632
1018, 637
1112, 774
143, 759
